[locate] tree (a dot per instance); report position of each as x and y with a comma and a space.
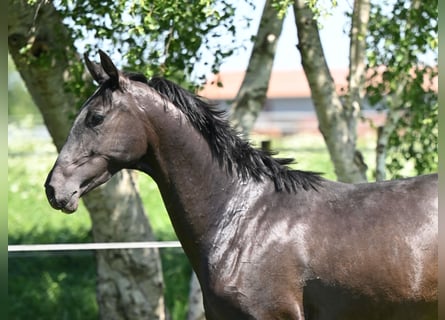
402, 85
166, 38
196, 301
252, 94
395, 41
337, 118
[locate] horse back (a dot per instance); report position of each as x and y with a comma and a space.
378, 239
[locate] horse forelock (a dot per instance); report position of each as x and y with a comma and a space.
227, 147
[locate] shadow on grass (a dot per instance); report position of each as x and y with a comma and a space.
56, 285
62, 285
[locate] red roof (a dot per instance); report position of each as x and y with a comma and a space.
283, 84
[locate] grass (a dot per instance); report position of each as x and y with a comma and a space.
62, 286
310, 152
52, 287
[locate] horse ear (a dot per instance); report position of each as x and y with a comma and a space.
95, 69
109, 68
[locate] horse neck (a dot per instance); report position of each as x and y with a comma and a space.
194, 187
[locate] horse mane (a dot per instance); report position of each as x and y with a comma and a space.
230, 150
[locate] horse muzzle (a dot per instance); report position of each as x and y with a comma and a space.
61, 197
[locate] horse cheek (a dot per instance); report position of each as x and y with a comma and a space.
139, 148
130, 148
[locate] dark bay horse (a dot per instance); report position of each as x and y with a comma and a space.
266, 242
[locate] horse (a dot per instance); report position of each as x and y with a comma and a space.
265, 240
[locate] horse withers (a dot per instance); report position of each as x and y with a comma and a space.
266, 241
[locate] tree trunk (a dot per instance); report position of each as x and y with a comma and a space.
337, 121
196, 306
129, 281
252, 94
357, 62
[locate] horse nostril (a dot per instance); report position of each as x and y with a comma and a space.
51, 195
50, 192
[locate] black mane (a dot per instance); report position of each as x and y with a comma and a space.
232, 152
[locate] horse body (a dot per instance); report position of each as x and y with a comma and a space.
361, 250
266, 242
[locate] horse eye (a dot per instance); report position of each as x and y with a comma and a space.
96, 119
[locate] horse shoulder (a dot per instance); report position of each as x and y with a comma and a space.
252, 256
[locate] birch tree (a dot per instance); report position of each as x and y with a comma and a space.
403, 86
251, 96
337, 117
386, 68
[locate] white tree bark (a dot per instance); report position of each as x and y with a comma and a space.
196, 307
252, 93
357, 61
129, 281
337, 120
383, 134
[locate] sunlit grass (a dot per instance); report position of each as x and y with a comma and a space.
311, 154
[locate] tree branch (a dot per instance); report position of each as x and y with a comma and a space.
383, 134
357, 55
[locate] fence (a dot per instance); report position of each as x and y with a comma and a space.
93, 246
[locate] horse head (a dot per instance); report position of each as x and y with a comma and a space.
107, 135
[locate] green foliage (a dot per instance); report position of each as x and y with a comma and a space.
403, 33
176, 272
321, 8
416, 147
401, 38
281, 6
161, 37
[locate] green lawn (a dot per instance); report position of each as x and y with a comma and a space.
62, 286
